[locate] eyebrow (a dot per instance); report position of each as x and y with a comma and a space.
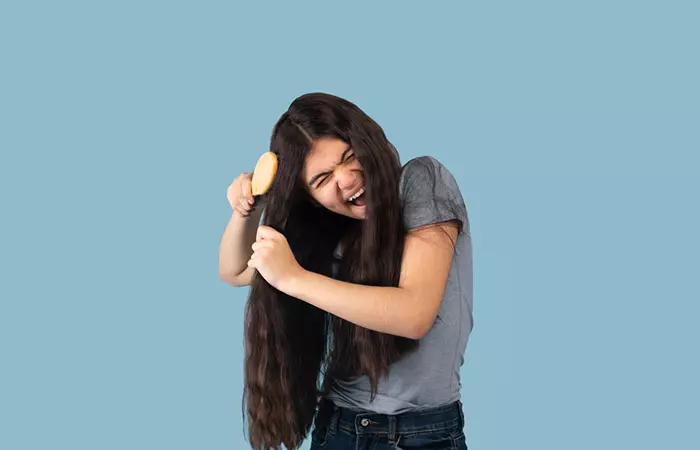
315, 178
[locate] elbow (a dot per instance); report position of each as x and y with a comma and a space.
418, 328
417, 331
422, 322
224, 275
230, 278
418, 312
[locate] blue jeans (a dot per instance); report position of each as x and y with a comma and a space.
438, 428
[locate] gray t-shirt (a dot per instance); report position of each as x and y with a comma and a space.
429, 376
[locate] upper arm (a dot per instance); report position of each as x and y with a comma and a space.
425, 268
435, 214
245, 278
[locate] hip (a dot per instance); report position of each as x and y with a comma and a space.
337, 428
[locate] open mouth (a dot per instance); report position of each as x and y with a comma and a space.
358, 199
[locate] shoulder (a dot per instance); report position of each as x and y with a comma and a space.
426, 171
430, 193
421, 165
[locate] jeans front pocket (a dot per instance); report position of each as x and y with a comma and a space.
433, 440
459, 441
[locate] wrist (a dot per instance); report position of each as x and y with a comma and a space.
295, 282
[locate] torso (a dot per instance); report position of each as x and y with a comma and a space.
428, 376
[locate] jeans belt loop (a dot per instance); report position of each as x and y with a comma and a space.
392, 429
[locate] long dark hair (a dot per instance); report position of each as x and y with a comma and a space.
291, 345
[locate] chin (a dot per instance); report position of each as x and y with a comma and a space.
359, 213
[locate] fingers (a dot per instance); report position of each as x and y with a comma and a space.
265, 232
246, 199
259, 251
247, 190
240, 195
257, 245
243, 207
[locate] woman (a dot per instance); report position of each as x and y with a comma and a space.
360, 305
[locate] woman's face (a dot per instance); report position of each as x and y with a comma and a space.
333, 176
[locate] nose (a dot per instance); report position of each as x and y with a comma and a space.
346, 177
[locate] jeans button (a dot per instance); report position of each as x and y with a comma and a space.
364, 422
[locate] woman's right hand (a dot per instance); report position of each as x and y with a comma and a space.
240, 194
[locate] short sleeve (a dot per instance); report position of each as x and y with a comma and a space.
430, 194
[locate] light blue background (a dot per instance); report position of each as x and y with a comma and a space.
571, 127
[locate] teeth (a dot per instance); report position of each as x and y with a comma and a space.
360, 192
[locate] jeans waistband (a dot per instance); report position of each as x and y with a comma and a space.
366, 422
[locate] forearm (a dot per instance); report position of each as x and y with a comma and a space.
235, 247
392, 310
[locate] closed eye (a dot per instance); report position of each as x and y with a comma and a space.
322, 180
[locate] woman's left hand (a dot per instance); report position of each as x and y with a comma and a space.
273, 258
